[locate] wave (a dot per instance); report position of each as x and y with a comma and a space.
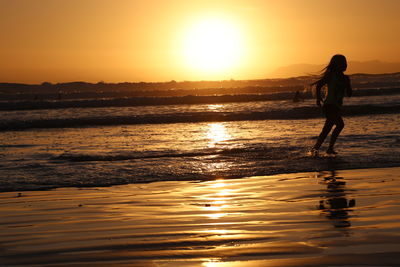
17, 146
172, 100
266, 152
190, 117
258, 159
141, 101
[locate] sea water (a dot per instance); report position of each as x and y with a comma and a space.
82, 146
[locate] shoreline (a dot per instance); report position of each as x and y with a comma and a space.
343, 217
206, 179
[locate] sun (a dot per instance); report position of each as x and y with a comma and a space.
213, 46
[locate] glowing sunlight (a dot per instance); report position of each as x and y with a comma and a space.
218, 201
217, 133
213, 46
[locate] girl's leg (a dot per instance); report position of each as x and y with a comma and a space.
325, 131
339, 127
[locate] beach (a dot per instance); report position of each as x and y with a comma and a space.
105, 182
325, 218
199, 133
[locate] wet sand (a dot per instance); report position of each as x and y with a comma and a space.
332, 218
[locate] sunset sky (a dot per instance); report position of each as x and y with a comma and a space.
162, 40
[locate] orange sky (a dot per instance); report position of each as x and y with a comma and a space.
143, 40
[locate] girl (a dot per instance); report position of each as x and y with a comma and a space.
338, 85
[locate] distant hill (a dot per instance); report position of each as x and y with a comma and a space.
101, 90
369, 67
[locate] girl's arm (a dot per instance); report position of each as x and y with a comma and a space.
349, 89
319, 85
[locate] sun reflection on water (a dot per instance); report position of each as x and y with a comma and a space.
218, 201
217, 133
215, 207
216, 107
218, 183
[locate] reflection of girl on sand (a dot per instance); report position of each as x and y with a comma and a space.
335, 205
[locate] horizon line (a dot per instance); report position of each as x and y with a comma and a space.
192, 81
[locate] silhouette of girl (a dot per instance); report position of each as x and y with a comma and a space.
338, 85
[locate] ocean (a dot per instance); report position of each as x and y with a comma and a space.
71, 143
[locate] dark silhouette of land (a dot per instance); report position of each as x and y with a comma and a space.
102, 90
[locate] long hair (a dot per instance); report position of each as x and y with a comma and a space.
338, 63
